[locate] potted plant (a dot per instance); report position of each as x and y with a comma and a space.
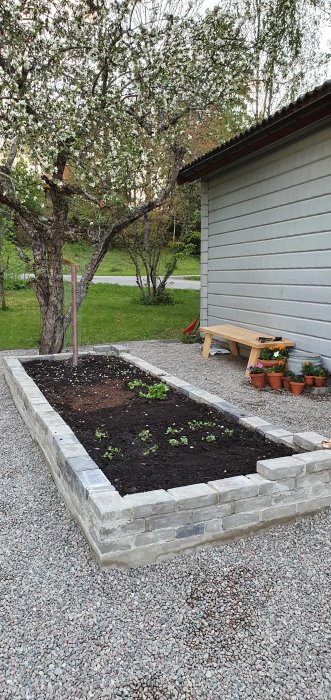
270, 357
275, 374
320, 376
257, 375
286, 378
308, 371
297, 384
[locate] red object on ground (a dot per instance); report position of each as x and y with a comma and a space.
191, 327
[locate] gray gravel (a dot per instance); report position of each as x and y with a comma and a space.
224, 375
249, 620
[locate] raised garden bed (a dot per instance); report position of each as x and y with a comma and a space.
141, 443
143, 527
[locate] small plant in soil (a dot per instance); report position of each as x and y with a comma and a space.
100, 434
209, 437
228, 431
112, 452
151, 450
183, 440
156, 392
196, 424
144, 435
136, 384
173, 431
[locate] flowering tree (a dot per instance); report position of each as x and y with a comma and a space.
93, 96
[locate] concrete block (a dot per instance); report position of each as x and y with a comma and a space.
86, 482
277, 435
315, 461
149, 503
292, 496
240, 520
211, 513
308, 440
314, 479
280, 468
175, 383
278, 511
118, 528
266, 486
62, 356
158, 522
114, 348
154, 537
253, 422
213, 526
108, 506
247, 505
190, 530
194, 496
234, 488
314, 504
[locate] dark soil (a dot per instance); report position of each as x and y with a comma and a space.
95, 398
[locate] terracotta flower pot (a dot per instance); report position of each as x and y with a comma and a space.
273, 363
297, 388
275, 380
258, 380
309, 380
319, 381
286, 383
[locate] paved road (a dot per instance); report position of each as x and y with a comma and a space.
130, 280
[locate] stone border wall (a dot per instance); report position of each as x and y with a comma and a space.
143, 528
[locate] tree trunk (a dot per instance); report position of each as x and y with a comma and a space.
48, 285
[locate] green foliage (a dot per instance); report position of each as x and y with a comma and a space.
151, 451
135, 384
163, 297
112, 452
190, 338
198, 424
173, 431
100, 434
209, 437
228, 431
156, 392
174, 442
144, 435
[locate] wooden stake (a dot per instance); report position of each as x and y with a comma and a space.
74, 314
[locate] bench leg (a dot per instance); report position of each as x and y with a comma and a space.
233, 348
206, 346
253, 358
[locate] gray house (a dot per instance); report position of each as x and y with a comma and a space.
266, 226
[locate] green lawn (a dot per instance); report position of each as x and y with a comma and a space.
109, 313
117, 262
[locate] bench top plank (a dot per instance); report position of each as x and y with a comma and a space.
244, 336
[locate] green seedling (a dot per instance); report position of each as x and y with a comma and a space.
195, 424
156, 392
176, 443
173, 431
100, 434
111, 452
151, 450
228, 431
144, 435
135, 384
209, 437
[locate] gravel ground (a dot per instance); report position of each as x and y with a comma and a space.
248, 620
224, 375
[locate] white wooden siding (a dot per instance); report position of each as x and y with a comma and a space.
268, 261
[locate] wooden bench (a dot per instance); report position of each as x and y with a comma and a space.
234, 335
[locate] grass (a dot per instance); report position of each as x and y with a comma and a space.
109, 313
117, 262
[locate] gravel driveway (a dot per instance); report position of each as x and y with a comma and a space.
249, 620
224, 375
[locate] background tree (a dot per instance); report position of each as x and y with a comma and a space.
95, 96
286, 57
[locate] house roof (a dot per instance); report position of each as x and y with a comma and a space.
308, 110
